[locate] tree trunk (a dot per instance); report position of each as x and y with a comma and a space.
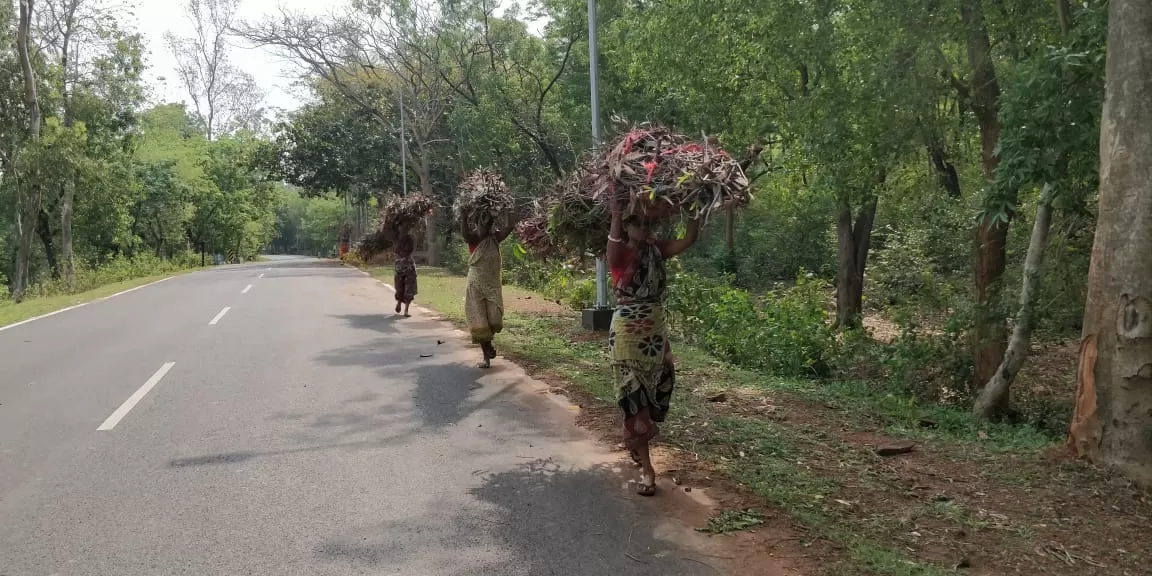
1064, 15
991, 234
25, 229
68, 266
1113, 413
44, 231
729, 231
432, 250
945, 170
993, 399
29, 194
853, 242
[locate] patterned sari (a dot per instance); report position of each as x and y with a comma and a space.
484, 298
641, 353
405, 279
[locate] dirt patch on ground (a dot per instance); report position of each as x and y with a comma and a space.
528, 305
880, 328
956, 506
963, 506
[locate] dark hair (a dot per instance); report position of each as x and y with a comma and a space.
633, 220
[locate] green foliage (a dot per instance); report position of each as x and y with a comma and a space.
785, 332
116, 269
307, 225
455, 260
328, 145
1051, 117
139, 210
932, 366
559, 282
766, 237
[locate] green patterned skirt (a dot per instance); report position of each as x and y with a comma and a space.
641, 362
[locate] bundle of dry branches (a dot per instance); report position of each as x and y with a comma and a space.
660, 173
483, 203
577, 223
400, 216
533, 232
374, 243
404, 215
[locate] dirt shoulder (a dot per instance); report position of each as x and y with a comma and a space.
794, 470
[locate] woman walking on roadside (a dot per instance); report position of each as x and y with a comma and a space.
405, 277
641, 353
484, 296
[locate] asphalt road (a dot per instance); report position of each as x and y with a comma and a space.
304, 430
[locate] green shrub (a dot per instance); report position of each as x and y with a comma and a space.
455, 257
116, 269
766, 238
785, 332
581, 294
530, 273
931, 365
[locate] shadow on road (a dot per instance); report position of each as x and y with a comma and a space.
383, 323
548, 520
244, 456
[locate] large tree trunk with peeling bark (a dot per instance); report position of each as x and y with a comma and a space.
853, 241
991, 234
1112, 423
993, 399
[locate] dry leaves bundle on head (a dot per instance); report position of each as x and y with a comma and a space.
374, 243
483, 203
403, 215
660, 173
533, 233
576, 221
400, 216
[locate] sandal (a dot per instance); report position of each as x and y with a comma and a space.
646, 489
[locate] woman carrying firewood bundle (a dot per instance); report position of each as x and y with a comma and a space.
641, 353
484, 296
484, 209
405, 277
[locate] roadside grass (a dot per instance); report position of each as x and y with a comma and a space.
11, 312
972, 493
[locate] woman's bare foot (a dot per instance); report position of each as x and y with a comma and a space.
406, 306
397, 307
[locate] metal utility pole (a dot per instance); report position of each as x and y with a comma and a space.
403, 147
594, 81
599, 317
